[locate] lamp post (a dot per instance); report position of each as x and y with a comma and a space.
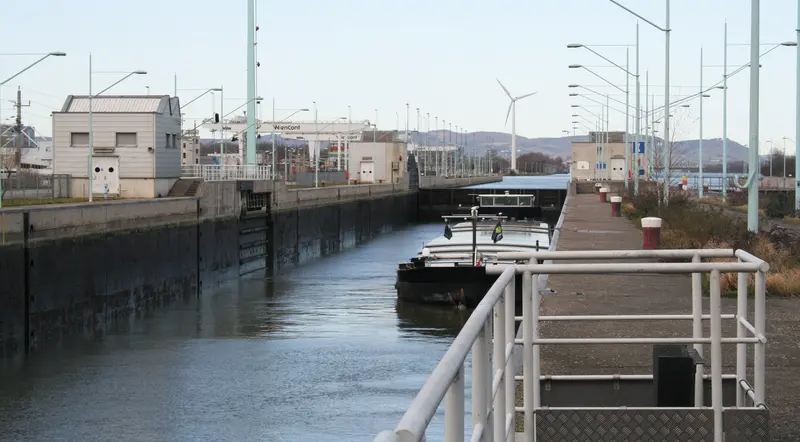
49, 54
285, 163
797, 124
666, 30
316, 148
628, 74
91, 126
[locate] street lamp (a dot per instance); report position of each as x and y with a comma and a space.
316, 148
626, 69
49, 54
285, 163
91, 128
666, 30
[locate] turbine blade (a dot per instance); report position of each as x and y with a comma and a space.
509, 111
504, 89
527, 95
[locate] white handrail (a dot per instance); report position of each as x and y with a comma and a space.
422, 409
226, 172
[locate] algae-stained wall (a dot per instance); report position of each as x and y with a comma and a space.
78, 268
307, 233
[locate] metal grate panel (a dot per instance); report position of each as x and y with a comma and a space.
746, 425
625, 425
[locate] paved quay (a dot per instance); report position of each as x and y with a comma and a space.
588, 225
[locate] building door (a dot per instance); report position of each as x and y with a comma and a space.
367, 173
105, 175
617, 169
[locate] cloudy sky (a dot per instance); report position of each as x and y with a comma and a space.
441, 56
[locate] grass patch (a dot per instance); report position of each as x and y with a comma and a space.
688, 225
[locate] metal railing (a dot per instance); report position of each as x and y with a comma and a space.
227, 172
493, 400
34, 185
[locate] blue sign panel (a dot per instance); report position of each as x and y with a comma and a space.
641, 147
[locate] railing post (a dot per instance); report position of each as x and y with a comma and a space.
511, 390
537, 366
480, 373
760, 327
488, 434
716, 355
454, 409
697, 329
741, 332
527, 354
499, 359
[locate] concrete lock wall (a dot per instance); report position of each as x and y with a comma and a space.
80, 267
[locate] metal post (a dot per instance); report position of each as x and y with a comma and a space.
667, 156
250, 153
697, 329
797, 123
741, 332
716, 355
480, 375
454, 409
752, 190
700, 149
725, 113
499, 359
636, 158
527, 351
627, 170
272, 171
510, 382
760, 326
607, 158
534, 294
91, 133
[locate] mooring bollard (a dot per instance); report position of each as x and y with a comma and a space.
616, 206
651, 233
597, 187
603, 194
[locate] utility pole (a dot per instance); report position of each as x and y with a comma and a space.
19, 131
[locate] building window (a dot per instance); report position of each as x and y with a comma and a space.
126, 139
184, 155
175, 140
79, 139
167, 143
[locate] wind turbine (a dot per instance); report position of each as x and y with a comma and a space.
512, 110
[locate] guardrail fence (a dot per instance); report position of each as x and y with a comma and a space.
226, 172
489, 334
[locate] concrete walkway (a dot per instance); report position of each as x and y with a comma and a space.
588, 225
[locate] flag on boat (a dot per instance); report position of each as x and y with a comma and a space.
497, 235
448, 233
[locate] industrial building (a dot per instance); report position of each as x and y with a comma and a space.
137, 144
585, 160
377, 162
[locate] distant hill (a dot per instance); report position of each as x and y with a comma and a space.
561, 146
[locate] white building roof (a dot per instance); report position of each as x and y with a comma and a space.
159, 104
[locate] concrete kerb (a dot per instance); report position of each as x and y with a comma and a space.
543, 278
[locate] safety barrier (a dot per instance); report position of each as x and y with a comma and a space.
493, 377
227, 172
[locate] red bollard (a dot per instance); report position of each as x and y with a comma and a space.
603, 194
651, 233
616, 206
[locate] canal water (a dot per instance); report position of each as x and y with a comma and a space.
320, 353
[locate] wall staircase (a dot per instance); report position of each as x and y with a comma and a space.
185, 187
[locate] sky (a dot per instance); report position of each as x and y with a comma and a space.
441, 56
